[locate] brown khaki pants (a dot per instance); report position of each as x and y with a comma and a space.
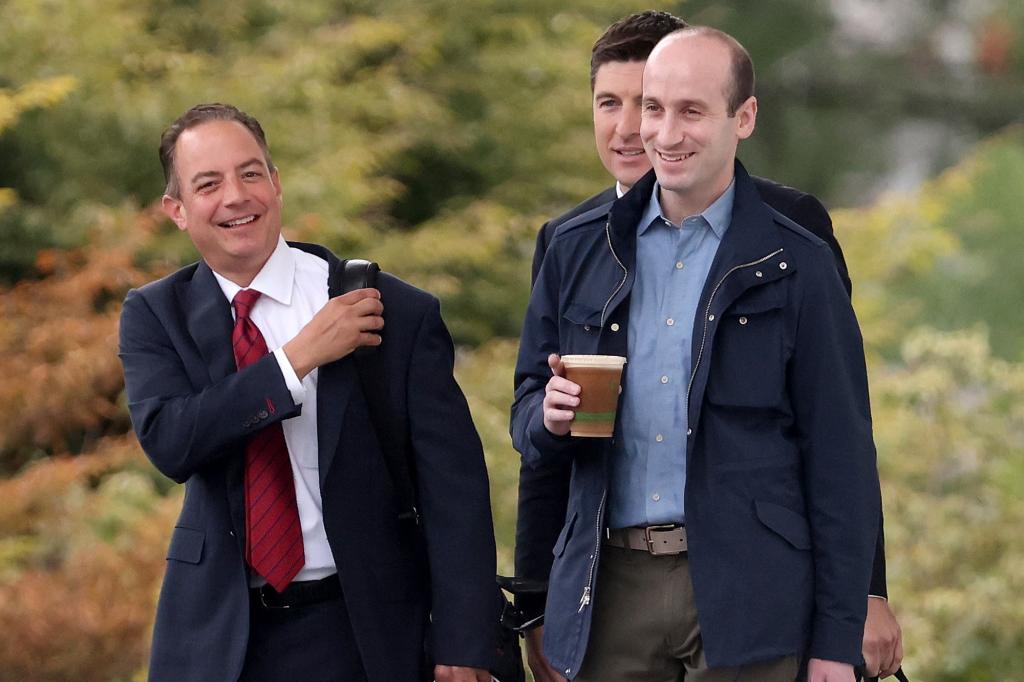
645, 626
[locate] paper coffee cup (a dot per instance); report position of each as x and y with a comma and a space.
598, 377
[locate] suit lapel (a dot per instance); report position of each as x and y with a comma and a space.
334, 390
208, 317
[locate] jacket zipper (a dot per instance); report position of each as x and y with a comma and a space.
585, 597
707, 312
625, 271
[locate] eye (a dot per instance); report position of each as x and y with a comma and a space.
607, 103
252, 174
650, 107
206, 186
692, 114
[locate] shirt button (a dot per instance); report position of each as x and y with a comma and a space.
743, 320
664, 380
659, 438
615, 326
679, 265
670, 322
655, 497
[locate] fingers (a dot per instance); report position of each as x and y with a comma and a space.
560, 396
893, 664
357, 295
555, 363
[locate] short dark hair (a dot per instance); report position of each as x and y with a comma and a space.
741, 87
632, 38
197, 115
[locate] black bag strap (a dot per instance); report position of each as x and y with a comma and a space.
355, 274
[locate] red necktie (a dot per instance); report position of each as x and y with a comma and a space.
273, 538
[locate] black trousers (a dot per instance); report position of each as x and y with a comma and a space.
311, 643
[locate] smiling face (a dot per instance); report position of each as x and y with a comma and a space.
686, 128
230, 201
617, 95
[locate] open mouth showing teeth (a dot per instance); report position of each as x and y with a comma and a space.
675, 157
629, 152
238, 221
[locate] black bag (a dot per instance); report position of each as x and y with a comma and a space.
353, 274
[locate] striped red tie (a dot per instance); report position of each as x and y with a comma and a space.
273, 538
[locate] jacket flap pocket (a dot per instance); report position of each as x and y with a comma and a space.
757, 300
791, 525
581, 313
186, 545
564, 536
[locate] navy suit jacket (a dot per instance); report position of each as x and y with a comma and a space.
543, 491
193, 413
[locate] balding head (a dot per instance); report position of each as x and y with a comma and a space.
739, 85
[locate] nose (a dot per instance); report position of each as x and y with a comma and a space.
671, 131
628, 123
234, 191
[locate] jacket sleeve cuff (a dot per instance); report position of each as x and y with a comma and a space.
547, 444
531, 605
834, 640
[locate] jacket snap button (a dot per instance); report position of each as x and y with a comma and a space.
743, 320
615, 326
782, 265
586, 327
263, 414
758, 274
711, 318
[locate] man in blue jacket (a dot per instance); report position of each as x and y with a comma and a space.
293, 557
743, 444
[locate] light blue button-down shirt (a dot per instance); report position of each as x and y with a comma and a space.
648, 467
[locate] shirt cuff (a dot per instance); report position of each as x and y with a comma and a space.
878, 596
291, 379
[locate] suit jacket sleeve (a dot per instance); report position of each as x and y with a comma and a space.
829, 394
454, 499
810, 214
541, 247
181, 427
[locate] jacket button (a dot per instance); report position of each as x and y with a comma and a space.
782, 265
743, 320
586, 327
263, 414
689, 432
711, 318
758, 274
615, 326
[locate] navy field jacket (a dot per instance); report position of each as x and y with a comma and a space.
782, 495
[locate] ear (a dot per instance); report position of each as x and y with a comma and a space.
175, 210
746, 118
275, 178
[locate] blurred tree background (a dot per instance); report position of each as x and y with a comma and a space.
435, 137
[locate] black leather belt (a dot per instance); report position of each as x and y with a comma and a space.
667, 539
299, 593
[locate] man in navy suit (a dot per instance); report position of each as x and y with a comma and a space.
240, 365
729, 528
617, 62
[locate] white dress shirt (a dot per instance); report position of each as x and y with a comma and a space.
293, 285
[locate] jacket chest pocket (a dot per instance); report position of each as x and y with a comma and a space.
747, 359
580, 329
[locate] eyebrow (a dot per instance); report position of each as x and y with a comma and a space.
202, 175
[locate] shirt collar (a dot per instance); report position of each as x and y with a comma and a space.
718, 215
619, 190
275, 279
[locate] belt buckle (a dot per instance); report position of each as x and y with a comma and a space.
650, 541
263, 600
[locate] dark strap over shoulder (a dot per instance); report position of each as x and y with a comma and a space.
348, 276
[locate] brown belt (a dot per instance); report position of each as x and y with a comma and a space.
657, 540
